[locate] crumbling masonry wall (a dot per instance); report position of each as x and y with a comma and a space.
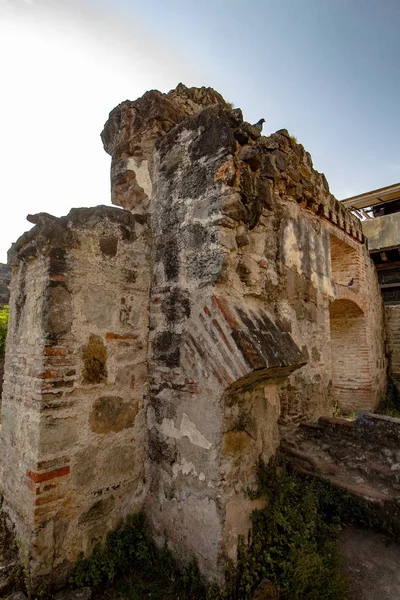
244, 229
193, 320
73, 434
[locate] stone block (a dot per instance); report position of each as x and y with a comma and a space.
111, 413
94, 361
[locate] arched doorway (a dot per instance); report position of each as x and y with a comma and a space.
351, 363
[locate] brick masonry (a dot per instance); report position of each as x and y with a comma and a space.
153, 349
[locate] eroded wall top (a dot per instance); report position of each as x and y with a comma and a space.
134, 128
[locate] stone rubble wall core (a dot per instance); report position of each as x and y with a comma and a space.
153, 348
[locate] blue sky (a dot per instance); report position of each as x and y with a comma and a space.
327, 70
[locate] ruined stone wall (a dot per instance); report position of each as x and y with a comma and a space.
22, 386
207, 405
322, 262
244, 278
73, 441
286, 240
160, 347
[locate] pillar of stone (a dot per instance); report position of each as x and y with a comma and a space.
72, 438
216, 357
243, 277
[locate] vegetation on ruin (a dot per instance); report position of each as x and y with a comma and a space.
130, 565
293, 542
4, 314
292, 546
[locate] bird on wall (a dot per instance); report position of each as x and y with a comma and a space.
259, 125
351, 282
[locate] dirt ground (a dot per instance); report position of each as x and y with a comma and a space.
371, 564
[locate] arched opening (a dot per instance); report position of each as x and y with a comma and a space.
351, 366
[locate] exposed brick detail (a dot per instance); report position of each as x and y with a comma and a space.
58, 277
55, 351
344, 261
50, 374
39, 477
222, 305
120, 336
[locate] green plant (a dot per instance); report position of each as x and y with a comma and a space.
4, 315
292, 545
336, 409
131, 562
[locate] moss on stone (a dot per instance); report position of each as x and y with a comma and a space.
236, 443
94, 361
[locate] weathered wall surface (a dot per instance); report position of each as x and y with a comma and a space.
285, 239
73, 435
209, 352
130, 141
357, 331
247, 239
152, 353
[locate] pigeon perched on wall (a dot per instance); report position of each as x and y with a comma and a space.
259, 124
351, 282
